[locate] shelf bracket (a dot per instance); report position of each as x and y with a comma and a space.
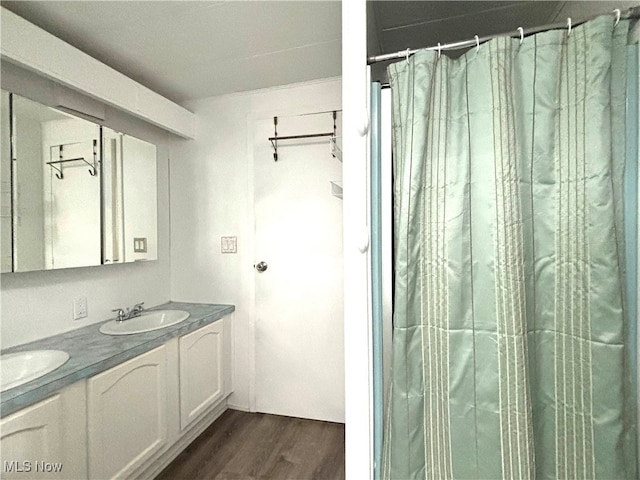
274, 139
59, 173
93, 169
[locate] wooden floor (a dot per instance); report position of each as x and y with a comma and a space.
241, 445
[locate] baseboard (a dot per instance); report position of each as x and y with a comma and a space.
241, 408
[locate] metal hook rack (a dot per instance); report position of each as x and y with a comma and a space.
275, 138
93, 170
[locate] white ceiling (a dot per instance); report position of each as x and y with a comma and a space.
397, 25
194, 49
425, 23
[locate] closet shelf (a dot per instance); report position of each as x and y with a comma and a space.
336, 189
335, 150
274, 140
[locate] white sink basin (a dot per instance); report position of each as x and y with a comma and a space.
22, 367
148, 321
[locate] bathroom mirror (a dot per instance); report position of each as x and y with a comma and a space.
56, 188
129, 198
74, 193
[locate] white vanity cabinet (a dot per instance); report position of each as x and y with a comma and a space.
127, 415
46, 440
205, 369
126, 422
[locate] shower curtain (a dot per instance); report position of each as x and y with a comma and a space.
510, 337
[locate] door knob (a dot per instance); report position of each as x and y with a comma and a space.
261, 267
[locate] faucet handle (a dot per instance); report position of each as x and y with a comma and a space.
138, 307
120, 313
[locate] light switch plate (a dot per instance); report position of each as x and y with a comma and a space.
140, 245
80, 308
229, 244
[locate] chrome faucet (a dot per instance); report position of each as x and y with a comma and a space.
137, 309
122, 315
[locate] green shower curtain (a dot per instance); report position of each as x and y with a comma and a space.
509, 311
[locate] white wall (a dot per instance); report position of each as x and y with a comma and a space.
211, 196
356, 177
40, 304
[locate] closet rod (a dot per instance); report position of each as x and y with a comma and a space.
310, 135
69, 160
631, 13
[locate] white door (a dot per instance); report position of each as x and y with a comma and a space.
299, 341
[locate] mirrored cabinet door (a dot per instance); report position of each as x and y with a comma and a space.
6, 236
56, 188
129, 198
139, 185
113, 206
73, 193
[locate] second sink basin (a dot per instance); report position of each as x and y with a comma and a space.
22, 367
146, 322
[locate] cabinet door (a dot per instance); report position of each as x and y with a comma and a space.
48, 439
201, 371
32, 443
127, 415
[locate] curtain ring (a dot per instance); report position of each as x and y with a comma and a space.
439, 49
617, 12
477, 43
521, 30
407, 54
568, 26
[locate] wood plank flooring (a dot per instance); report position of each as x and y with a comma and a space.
241, 445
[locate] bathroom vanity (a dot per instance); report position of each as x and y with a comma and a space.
122, 406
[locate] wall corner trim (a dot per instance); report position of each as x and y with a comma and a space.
30, 47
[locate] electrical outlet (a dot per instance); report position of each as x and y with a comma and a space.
80, 308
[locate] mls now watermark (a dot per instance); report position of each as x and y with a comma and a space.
28, 466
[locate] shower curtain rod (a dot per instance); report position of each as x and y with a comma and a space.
520, 32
